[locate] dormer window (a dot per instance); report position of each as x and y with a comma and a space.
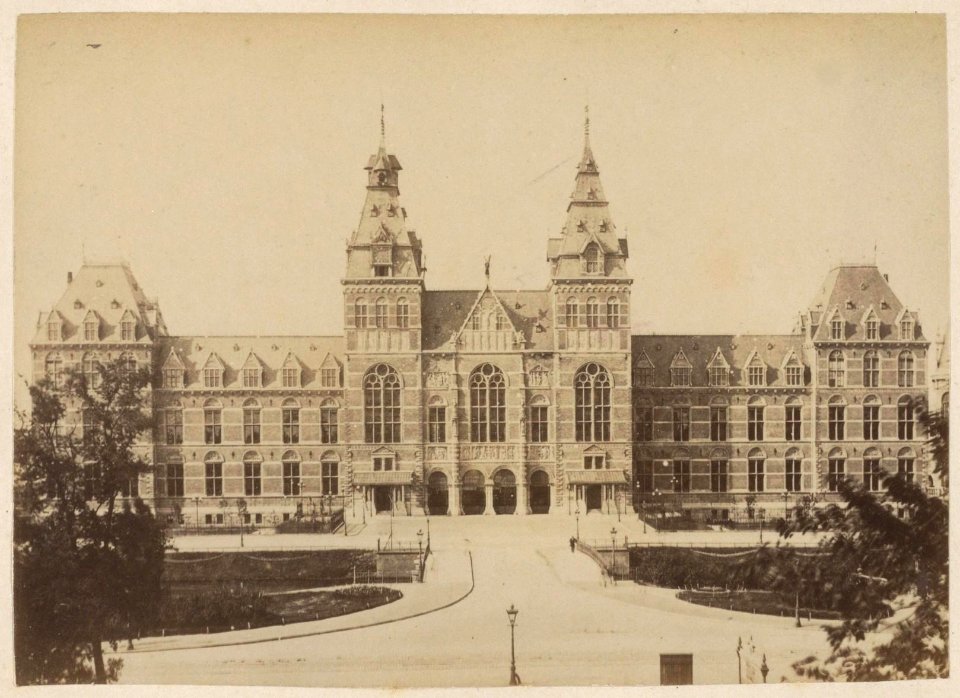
680, 370
593, 259
91, 328
172, 378
756, 372
212, 378
290, 372
251, 377
382, 270
329, 378
53, 331
872, 328
793, 372
836, 328
906, 329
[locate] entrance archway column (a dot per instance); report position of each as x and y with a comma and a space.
488, 494
453, 499
523, 506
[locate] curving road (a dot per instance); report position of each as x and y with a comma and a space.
571, 630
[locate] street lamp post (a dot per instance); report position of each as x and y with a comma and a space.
762, 514
576, 514
512, 615
786, 510
613, 555
428, 530
420, 558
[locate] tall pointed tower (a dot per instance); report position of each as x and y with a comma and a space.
590, 292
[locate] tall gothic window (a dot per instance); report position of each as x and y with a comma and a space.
488, 417
329, 433
836, 420
593, 313
91, 369
380, 316
54, 368
905, 369
572, 313
251, 422
381, 405
613, 313
871, 370
360, 313
835, 369
592, 396
290, 421
403, 314
904, 419
593, 259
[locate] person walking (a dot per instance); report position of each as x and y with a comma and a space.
573, 544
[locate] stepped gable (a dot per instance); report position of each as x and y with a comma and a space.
446, 312
233, 352
108, 291
852, 290
737, 350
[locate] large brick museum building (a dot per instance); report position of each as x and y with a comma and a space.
506, 402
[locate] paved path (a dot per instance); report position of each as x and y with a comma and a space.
571, 630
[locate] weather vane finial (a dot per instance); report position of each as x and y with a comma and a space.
486, 268
586, 120
383, 126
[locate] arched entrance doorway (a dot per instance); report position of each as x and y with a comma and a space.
504, 492
383, 499
472, 497
539, 493
593, 494
437, 494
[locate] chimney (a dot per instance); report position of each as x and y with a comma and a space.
69, 277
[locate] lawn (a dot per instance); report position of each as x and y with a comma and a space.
753, 601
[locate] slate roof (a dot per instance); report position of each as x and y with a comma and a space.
851, 290
736, 350
444, 313
109, 290
233, 352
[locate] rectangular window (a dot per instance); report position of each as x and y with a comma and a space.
212, 426
361, 312
755, 474
836, 424
53, 332
593, 314
213, 476
437, 425
681, 423
835, 473
873, 329
130, 487
290, 377
905, 468
645, 376
871, 474
175, 479
90, 333
380, 315
212, 377
403, 316
755, 423
251, 479
836, 329
251, 425
906, 330
793, 422
905, 421
593, 462
793, 473
755, 375
172, 426
291, 479
251, 378
328, 425
290, 417
330, 377
381, 270
172, 378
718, 475
382, 463
794, 375
127, 331
718, 375
681, 476
680, 376
330, 478
871, 422
871, 370
539, 430
718, 423
644, 423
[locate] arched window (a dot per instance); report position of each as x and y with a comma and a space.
836, 419
291, 474
871, 418
755, 423
252, 484
593, 260
835, 369
613, 313
592, 397
905, 369
380, 316
360, 312
905, 418
593, 313
213, 474
488, 413
128, 364
905, 461
403, 313
329, 431
329, 474
573, 312
756, 462
91, 369
793, 408
251, 422
793, 470
54, 367
171, 425
290, 421
872, 475
836, 468
539, 420
381, 405
871, 369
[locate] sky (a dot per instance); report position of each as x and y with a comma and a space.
221, 156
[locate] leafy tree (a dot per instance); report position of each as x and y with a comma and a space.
87, 562
884, 566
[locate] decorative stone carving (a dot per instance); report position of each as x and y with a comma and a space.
436, 452
438, 379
